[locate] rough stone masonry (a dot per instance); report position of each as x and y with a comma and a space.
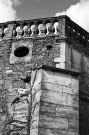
51, 55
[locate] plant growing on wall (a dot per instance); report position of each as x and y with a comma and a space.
12, 125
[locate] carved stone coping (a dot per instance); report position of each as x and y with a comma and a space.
61, 26
54, 69
34, 27
77, 33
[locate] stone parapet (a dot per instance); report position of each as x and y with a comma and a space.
32, 28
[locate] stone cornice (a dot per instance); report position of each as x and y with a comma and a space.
54, 69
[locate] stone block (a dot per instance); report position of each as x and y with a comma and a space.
67, 89
86, 64
76, 58
70, 111
75, 85
48, 76
73, 133
8, 84
10, 98
47, 108
60, 65
62, 49
21, 105
54, 97
34, 122
36, 88
73, 125
57, 78
51, 87
73, 112
62, 111
68, 52
36, 77
72, 100
34, 131
1, 82
63, 79
76, 112
8, 71
53, 122
60, 59
43, 131
37, 96
35, 109
67, 111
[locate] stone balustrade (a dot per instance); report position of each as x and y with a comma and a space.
61, 26
32, 28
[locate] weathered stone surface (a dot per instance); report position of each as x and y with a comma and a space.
55, 93
86, 64
43, 131
62, 111
36, 88
73, 133
72, 100
73, 124
47, 108
75, 84
57, 78
53, 122
35, 122
76, 60
54, 97
51, 87
67, 111
67, 89
36, 77
34, 131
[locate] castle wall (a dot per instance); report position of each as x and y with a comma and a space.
13, 110
65, 47
78, 60
58, 109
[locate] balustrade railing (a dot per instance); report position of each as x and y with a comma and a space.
36, 27
59, 26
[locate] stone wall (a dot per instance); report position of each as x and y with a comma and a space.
58, 109
78, 60
65, 46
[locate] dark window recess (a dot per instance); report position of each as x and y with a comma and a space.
21, 51
49, 47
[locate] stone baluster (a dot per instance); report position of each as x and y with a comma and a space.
1, 32
43, 29
35, 30
14, 33
51, 29
59, 28
20, 30
6, 31
27, 30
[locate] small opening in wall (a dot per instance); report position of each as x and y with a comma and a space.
21, 51
49, 47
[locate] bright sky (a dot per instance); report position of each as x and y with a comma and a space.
77, 10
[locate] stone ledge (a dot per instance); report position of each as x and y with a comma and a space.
54, 69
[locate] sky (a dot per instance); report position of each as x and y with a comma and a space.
77, 10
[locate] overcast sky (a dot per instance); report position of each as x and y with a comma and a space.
42, 8
77, 10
